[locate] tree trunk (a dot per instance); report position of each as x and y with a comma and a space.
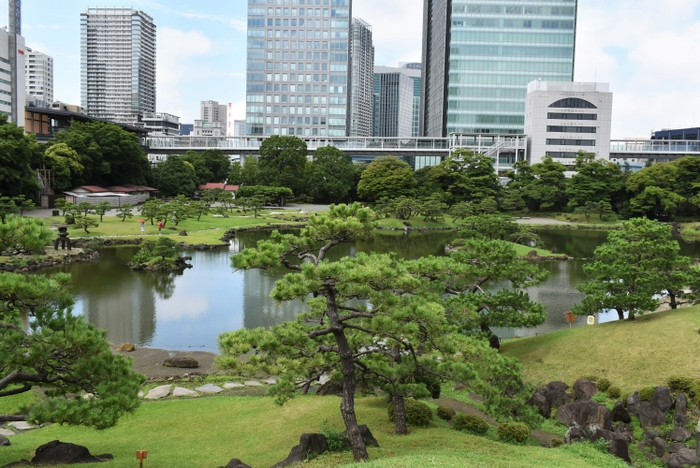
620, 313
400, 414
672, 298
494, 342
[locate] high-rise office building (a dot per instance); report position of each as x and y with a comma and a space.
8, 99
361, 79
298, 64
39, 76
479, 58
117, 63
397, 100
213, 120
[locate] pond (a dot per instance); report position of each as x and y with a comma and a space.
189, 311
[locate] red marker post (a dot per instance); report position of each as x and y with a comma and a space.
141, 455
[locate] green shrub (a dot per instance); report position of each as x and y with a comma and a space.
471, 423
337, 442
603, 384
514, 433
445, 412
687, 385
417, 412
592, 378
556, 442
615, 392
646, 393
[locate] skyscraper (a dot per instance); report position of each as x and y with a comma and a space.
12, 101
397, 100
361, 79
117, 63
479, 58
39, 75
298, 64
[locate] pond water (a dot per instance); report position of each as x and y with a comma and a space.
188, 311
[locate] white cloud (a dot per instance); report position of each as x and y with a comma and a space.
184, 308
237, 23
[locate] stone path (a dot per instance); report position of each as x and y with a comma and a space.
165, 390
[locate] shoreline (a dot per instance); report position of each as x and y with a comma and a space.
149, 362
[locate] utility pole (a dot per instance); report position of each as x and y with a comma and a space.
15, 19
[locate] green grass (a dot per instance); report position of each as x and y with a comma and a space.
207, 432
417, 222
632, 355
523, 250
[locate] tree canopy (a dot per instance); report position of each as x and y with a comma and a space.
386, 177
330, 176
176, 176
471, 176
18, 154
282, 162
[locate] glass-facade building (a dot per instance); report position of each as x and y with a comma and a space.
298, 67
479, 57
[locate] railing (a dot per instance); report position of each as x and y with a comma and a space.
655, 146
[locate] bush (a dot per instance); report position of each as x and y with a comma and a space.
603, 384
615, 392
432, 384
514, 433
470, 423
337, 442
646, 393
556, 442
445, 412
417, 412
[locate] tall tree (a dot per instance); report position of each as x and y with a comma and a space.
218, 164
631, 268
330, 176
595, 180
202, 173
235, 176
65, 163
653, 193
60, 355
18, 152
471, 175
175, 176
282, 162
386, 177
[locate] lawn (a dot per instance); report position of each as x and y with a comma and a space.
632, 355
207, 432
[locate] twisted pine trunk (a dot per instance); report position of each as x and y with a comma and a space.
399, 414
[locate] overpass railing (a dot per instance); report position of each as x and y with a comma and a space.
655, 146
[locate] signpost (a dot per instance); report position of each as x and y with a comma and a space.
141, 455
570, 318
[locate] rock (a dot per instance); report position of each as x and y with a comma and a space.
181, 362
620, 414
159, 392
459, 387
140, 394
367, 436
542, 405
126, 347
21, 425
625, 431
683, 457
602, 434
620, 449
633, 402
584, 389
235, 463
6, 432
674, 447
330, 388
679, 434
230, 385
210, 388
182, 233
662, 399
555, 393
680, 418
61, 453
4, 442
308, 443
252, 383
574, 434
658, 445
532, 254
180, 392
650, 415
270, 381
584, 413
651, 434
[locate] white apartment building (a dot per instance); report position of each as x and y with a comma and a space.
6, 97
39, 76
562, 119
117, 64
161, 124
213, 120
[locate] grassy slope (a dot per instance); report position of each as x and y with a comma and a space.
206, 432
631, 354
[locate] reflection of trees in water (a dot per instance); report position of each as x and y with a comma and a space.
574, 243
162, 283
259, 309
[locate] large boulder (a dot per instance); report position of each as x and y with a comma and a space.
574, 434
61, 453
650, 415
625, 431
682, 458
555, 393
235, 463
181, 362
680, 418
633, 402
658, 445
308, 444
620, 414
620, 449
542, 405
584, 389
4, 442
679, 434
585, 413
662, 399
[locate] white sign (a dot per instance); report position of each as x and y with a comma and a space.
590, 320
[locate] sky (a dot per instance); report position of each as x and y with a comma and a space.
645, 49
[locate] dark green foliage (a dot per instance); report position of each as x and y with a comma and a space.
386, 177
84, 222
18, 153
470, 423
687, 385
202, 173
164, 247
417, 413
176, 176
432, 384
471, 176
25, 234
603, 384
445, 413
513, 433
8, 206
102, 208
65, 164
125, 211
330, 176
282, 163
556, 442
336, 439
646, 393
277, 195
615, 393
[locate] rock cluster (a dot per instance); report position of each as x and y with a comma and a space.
61, 453
27, 264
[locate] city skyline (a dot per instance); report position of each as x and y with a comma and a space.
638, 48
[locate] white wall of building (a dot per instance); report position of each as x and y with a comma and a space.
573, 126
6, 97
39, 75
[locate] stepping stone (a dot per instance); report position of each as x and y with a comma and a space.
179, 392
21, 425
141, 394
230, 385
252, 383
159, 392
6, 432
210, 388
270, 381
